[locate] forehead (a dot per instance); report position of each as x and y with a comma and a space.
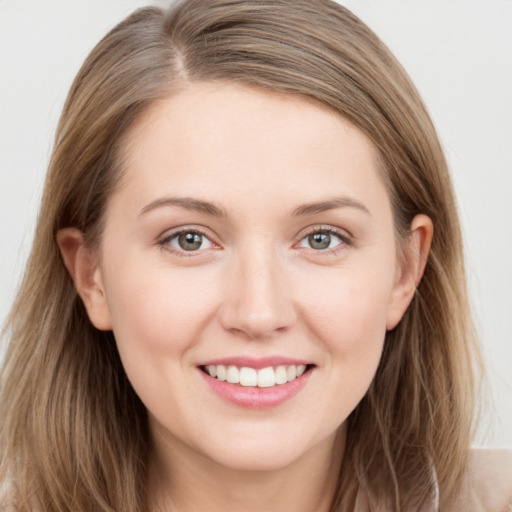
212, 110
233, 139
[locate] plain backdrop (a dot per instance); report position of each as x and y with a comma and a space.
459, 54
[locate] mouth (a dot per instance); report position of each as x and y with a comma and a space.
249, 377
256, 383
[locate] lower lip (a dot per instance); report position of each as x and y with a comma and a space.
254, 397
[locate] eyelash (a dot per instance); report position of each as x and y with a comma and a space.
346, 241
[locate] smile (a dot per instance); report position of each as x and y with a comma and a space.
252, 377
256, 383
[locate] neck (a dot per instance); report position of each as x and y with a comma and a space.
186, 481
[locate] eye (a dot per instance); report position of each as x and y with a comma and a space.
189, 241
323, 239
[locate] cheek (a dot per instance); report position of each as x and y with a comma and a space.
158, 316
156, 311
351, 327
349, 321
349, 314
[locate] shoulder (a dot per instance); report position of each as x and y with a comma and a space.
9, 498
487, 485
7, 494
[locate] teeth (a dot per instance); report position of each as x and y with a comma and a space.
233, 375
291, 373
221, 372
266, 378
250, 377
281, 375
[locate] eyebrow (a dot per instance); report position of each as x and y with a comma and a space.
331, 204
197, 205
188, 203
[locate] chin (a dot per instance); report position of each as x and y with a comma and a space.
263, 454
256, 461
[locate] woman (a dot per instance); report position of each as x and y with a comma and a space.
246, 289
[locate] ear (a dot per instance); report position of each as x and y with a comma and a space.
409, 274
83, 267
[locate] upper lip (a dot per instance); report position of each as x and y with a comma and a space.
256, 362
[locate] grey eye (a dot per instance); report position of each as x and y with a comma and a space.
190, 241
321, 240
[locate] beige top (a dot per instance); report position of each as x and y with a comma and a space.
487, 486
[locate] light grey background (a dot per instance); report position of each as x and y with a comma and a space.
459, 54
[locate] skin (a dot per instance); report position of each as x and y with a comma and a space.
255, 287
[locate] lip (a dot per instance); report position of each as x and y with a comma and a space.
254, 397
256, 362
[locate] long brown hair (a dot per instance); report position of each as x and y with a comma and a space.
74, 434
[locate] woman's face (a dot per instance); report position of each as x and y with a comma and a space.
252, 236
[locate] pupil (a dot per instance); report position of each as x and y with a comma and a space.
320, 240
190, 241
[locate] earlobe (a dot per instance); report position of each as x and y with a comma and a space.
83, 268
411, 272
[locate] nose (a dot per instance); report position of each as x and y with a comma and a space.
257, 303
